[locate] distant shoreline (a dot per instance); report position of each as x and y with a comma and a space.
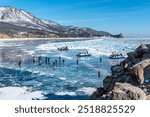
43, 38
65, 39
52, 39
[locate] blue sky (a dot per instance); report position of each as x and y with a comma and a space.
131, 17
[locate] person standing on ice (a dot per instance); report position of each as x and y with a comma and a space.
99, 74
34, 60
63, 62
19, 63
59, 60
100, 60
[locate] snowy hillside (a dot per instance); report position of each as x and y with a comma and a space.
21, 23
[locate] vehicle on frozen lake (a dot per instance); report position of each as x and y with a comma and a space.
83, 54
63, 48
116, 56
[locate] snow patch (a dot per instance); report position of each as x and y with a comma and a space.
66, 93
18, 93
62, 78
87, 90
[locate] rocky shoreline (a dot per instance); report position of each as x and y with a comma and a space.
50, 36
130, 80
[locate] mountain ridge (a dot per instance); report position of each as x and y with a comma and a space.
19, 23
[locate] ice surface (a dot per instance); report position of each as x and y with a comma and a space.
50, 82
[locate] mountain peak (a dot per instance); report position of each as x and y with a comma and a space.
23, 18
11, 14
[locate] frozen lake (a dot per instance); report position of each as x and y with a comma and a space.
61, 81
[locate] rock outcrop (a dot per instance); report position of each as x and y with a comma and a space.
130, 79
138, 70
2, 35
125, 91
118, 36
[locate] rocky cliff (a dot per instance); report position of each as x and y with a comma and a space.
130, 80
3, 35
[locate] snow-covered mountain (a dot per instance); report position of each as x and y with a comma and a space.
21, 23
22, 18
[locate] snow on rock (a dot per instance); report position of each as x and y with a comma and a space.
51, 23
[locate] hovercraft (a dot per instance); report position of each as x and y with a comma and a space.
63, 49
116, 56
83, 54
